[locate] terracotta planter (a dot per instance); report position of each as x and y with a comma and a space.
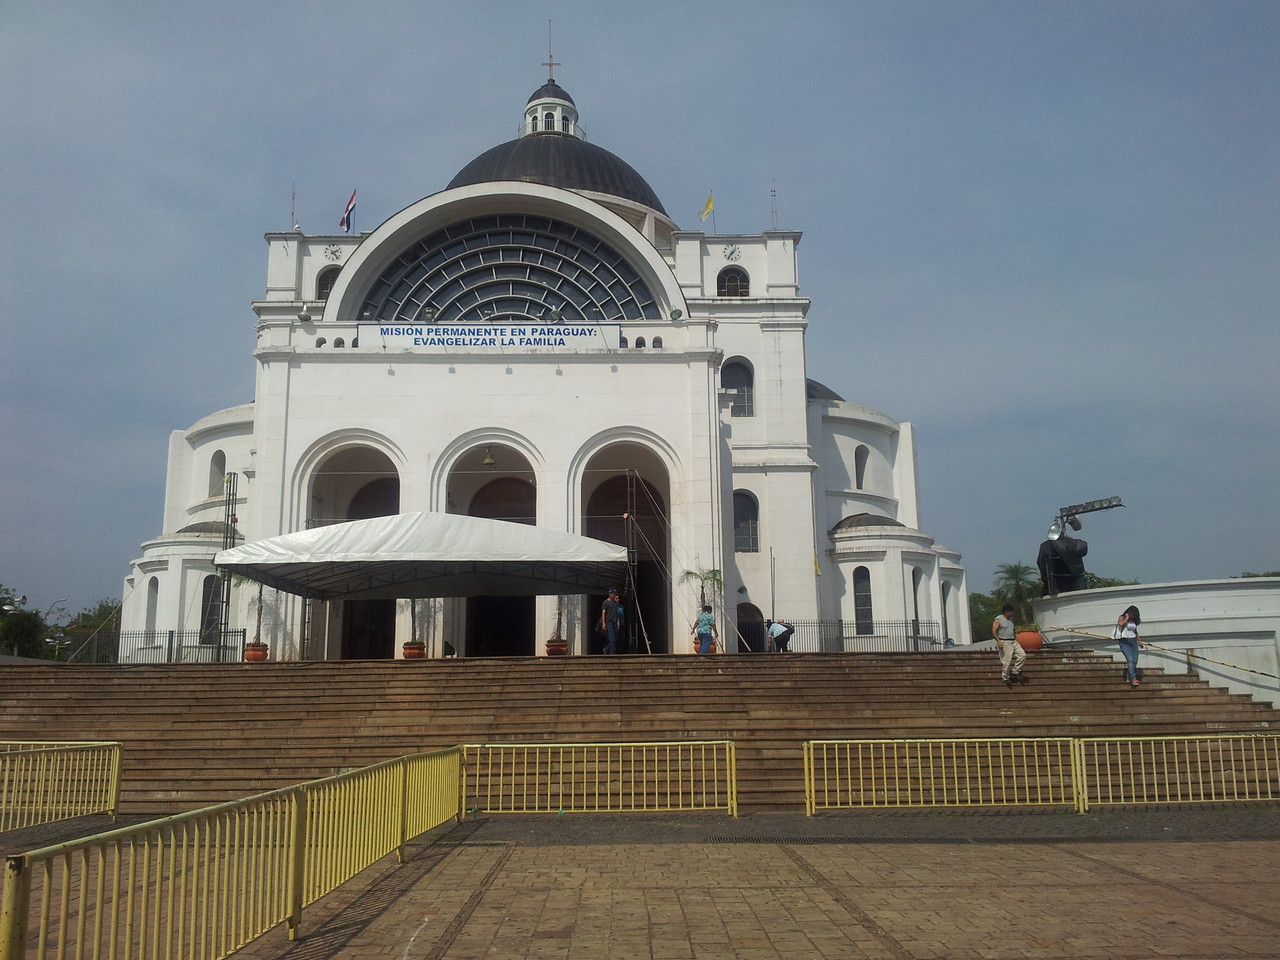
557, 648
255, 652
1030, 639
414, 651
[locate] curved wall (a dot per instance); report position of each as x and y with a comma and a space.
1193, 623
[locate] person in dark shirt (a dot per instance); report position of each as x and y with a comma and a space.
611, 621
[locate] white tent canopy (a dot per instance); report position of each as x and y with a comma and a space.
428, 555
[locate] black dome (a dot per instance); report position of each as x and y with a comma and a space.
210, 526
550, 91
820, 391
865, 520
559, 161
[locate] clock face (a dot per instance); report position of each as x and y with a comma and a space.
332, 253
732, 251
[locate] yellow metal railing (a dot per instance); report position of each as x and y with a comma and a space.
201, 885
1077, 772
1197, 769
41, 782
932, 773
601, 777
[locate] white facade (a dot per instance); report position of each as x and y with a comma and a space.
539, 342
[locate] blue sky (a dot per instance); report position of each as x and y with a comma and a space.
1047, 234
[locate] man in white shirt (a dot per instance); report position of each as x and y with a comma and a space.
778, 636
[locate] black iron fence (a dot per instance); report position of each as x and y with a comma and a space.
848, 636
809, 636
166, 646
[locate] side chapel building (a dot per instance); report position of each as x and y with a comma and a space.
541, 343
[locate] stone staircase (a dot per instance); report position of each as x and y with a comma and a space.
198, 734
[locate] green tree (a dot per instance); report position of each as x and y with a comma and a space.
22, 632
705, 579
1093, 582
93, 634
1016, 583
982, 612
1269, 573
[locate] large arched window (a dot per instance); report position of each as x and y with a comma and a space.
864, 620
210, 609
733, 282
153, 604
325, 280
860, 465
217, 473
738, 381
746, 523
510, 268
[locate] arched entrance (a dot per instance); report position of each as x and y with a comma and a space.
358, 483
496, 482
627, 504
750, 630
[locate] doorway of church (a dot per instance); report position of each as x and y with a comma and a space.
500, 627
628, 510
644, 608
359, 483
368, 629
750, 637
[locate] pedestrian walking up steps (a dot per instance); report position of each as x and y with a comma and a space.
199, 734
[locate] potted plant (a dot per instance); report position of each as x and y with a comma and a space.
413, 648
1014, 584
255, 651
557, 645
1030, 637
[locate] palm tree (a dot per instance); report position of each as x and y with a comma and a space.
704, 579
1014, 583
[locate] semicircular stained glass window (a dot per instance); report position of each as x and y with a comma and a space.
505, 268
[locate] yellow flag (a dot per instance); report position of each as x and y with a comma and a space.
708, 207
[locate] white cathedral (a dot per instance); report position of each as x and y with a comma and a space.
540, 343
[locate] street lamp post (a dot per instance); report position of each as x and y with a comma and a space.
60, 639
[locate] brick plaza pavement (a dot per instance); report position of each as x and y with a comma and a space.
1182, 883
1190, 884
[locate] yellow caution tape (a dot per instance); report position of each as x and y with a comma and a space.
1156, 646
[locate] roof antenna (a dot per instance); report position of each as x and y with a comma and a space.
293, 210
550, 63
773, 206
